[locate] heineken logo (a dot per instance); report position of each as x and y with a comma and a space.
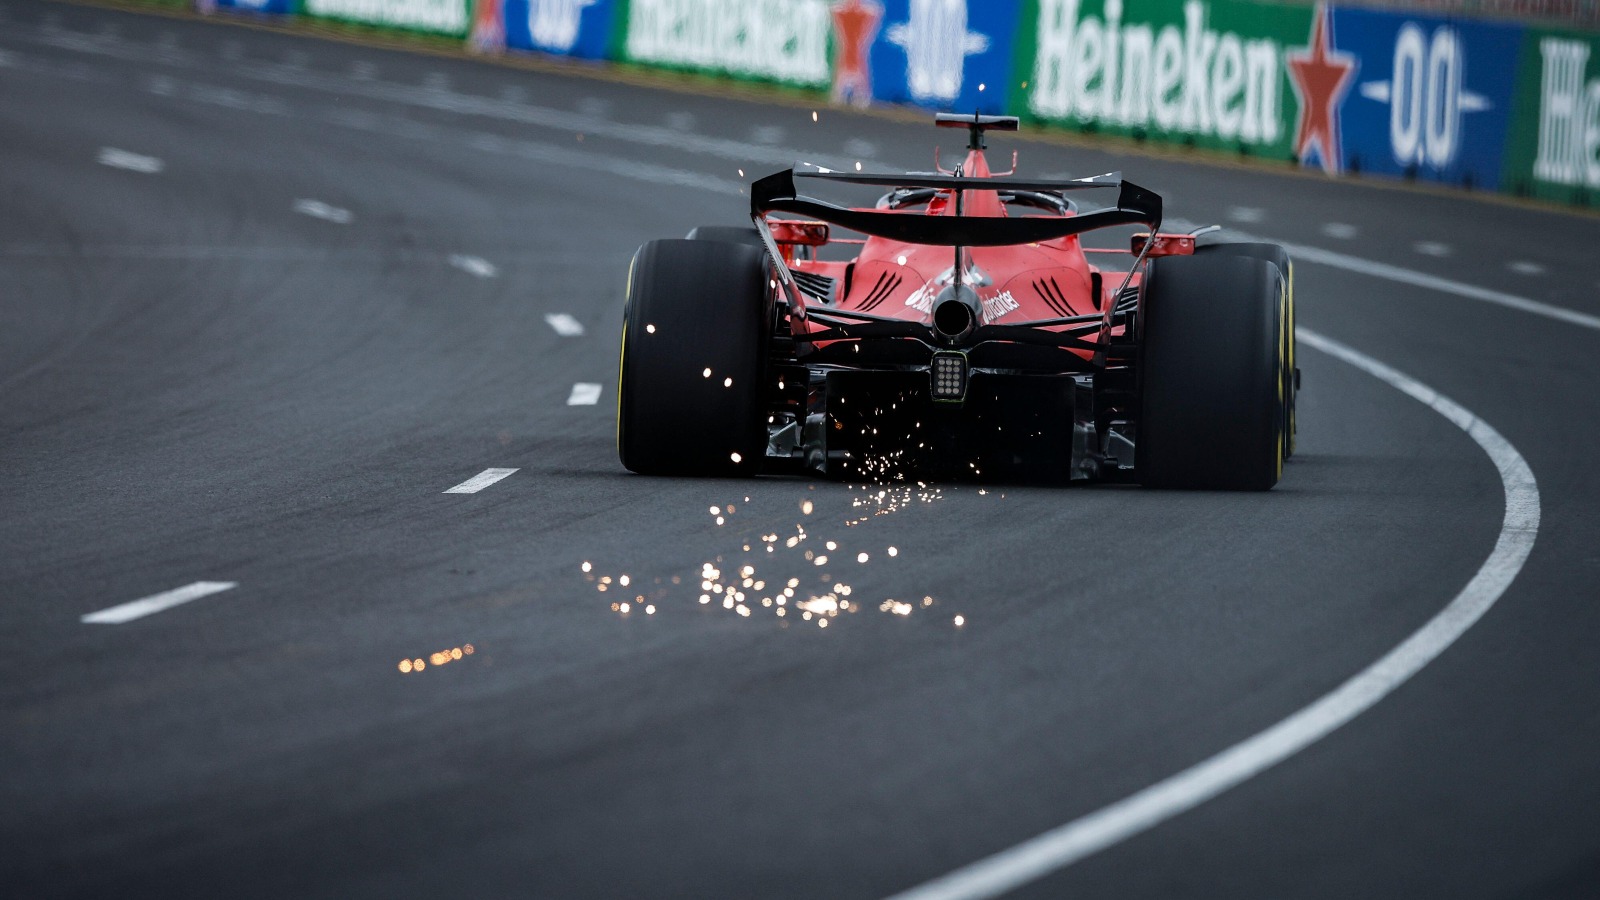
448, 16
1569, 115
1132, 74
785, 40
1321, 77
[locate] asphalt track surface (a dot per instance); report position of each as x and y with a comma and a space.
309, 295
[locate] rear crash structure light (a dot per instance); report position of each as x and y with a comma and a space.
949, 377
792, 231
1163, 244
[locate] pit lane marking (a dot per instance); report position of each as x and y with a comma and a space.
138, 609
1066, 844
316, 209
132, 162
564, 324
479, 481
584, 394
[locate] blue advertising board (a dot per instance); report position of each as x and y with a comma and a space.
269, 7
944, 54
579, 28
1431, 98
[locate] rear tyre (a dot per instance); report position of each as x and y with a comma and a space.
693, 308
731, 234
1211, 373
1275, 254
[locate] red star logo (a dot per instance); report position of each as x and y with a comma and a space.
855, 24
1320, 75
488, 28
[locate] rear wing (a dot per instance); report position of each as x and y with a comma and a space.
777, 193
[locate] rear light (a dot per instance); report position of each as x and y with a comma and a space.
793, 231
1164, 244
949, 376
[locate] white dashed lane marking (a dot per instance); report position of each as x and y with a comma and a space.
584, 393
480, 481
1432, 248
1246, 214
316, 209
1523, 267
1339, 230
133, 162
859, 147
155, 603
564, 324
474, 265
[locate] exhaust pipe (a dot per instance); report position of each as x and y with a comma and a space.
955, 313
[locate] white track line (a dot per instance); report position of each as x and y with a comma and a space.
564, 324
316, 209
479, 481
1065, 845
584, 394
1435, 283
133, 162
474, 265
155, 603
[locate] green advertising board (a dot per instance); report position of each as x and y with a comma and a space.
446, 17
1207, 74
782, 41
1554, 140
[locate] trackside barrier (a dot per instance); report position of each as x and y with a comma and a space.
1483, 105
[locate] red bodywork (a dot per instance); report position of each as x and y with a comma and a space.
1016, 284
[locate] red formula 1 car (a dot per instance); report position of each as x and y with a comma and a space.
967, 335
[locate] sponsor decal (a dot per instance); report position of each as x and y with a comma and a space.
1321, 75
855, 27
1569, 115
1431, 97
488, 27
277, 7
1191, 79
998, 305
921, 299
553, 24
937, 43
443, 16
783, 40
1425, 96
